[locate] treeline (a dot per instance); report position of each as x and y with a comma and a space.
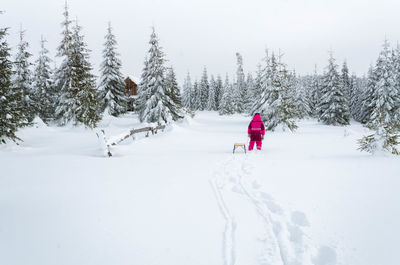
334, 97
71, 93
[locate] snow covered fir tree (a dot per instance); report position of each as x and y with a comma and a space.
204, 89
83, 92
345, 83
188, 99
79, 100
212, 95
383, 104
301, 99
227, 105
22, 78
367, 97
13, 115
113, 98
44, 95
158, 96
333, 108
241, 94
314, 94
196, 96
173, 95
275, 102
62, 82
218, 91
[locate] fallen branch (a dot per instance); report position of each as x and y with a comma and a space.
104, 143
107, 145
153, 131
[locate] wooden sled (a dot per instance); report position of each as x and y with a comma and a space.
237, 145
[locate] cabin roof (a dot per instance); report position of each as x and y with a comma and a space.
134, 79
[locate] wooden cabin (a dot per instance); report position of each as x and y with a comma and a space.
131, 86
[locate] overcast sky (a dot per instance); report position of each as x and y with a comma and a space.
208, 33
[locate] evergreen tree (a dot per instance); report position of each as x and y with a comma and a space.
22, 79
227, 105
396, 69
82, 94
250, 84
306, 83
362, 87
112, 86
386, 98
263, 84
241, 96
258, 95
315, 92
44, 94
204, 90
212, 104
333, 107
196, 96
274, 94
188, 94
63, 75
345, 81
142, 89
173, 93
355, 97
367, 97
280, 110
301, 100
383, 105
218, 91
153, 100
12, 112
260, 80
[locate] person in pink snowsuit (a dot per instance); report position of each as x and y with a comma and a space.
256, 132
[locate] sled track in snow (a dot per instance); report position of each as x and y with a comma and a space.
285, 237
261, 212
228, 251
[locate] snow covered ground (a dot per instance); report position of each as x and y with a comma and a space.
182, 198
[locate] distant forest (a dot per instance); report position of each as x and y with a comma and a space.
72, 94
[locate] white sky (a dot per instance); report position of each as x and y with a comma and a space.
208, 33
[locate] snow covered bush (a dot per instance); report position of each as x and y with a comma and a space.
385, 138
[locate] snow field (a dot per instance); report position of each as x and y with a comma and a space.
181, 197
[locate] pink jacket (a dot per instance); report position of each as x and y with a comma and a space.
256, 128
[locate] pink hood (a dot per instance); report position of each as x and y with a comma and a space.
257, 117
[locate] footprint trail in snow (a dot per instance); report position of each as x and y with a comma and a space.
257, 229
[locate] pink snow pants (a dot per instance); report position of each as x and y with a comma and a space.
251, 145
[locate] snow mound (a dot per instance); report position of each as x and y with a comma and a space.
326, 256
39, 123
